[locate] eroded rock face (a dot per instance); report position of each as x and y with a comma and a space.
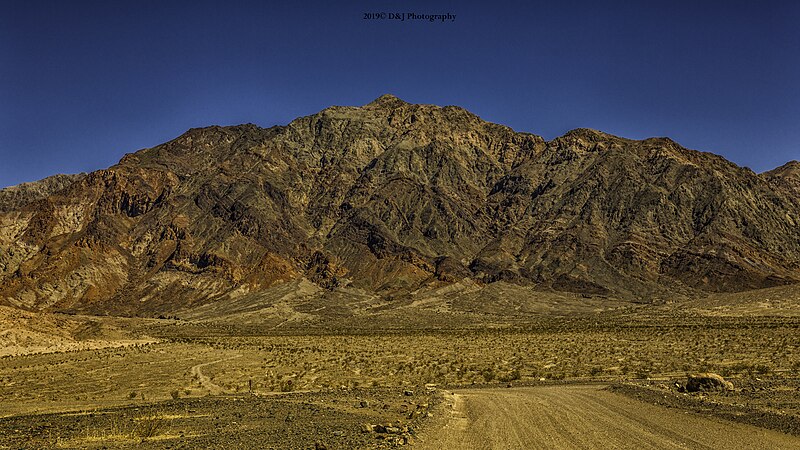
392, 196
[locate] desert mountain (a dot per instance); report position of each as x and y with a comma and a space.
390, 198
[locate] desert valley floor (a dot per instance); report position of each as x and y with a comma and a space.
606, 376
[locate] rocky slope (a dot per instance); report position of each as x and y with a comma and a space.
786, 177
391, 197
20, 195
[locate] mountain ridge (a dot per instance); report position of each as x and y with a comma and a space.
392, 197
21, 194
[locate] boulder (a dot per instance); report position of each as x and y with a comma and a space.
700, 382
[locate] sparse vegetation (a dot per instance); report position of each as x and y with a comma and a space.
188, 367
116, 430
553, 351
148, 427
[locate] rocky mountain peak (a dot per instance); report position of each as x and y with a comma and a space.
786, 177
587, 133
386, 101
789, 170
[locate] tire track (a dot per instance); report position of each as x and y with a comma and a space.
205, 381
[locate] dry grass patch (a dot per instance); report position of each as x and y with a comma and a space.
118, 431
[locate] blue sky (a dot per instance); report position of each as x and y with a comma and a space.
82, 83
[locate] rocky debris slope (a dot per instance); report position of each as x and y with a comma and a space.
390, 197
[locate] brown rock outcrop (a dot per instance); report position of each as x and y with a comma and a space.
700, 382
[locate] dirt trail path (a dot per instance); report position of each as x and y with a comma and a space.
204, 380
584, 417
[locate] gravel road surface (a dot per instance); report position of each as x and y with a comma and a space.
583, 417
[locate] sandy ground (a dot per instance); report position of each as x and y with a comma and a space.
582, 417
20, 350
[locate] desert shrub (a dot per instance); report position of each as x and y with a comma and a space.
287, 386
148, 427
761, 369
738, 368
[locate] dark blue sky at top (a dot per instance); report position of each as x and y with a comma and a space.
82, 83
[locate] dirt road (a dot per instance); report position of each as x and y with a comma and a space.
205, 381
566, 417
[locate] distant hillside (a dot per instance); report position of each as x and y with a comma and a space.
391, 197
